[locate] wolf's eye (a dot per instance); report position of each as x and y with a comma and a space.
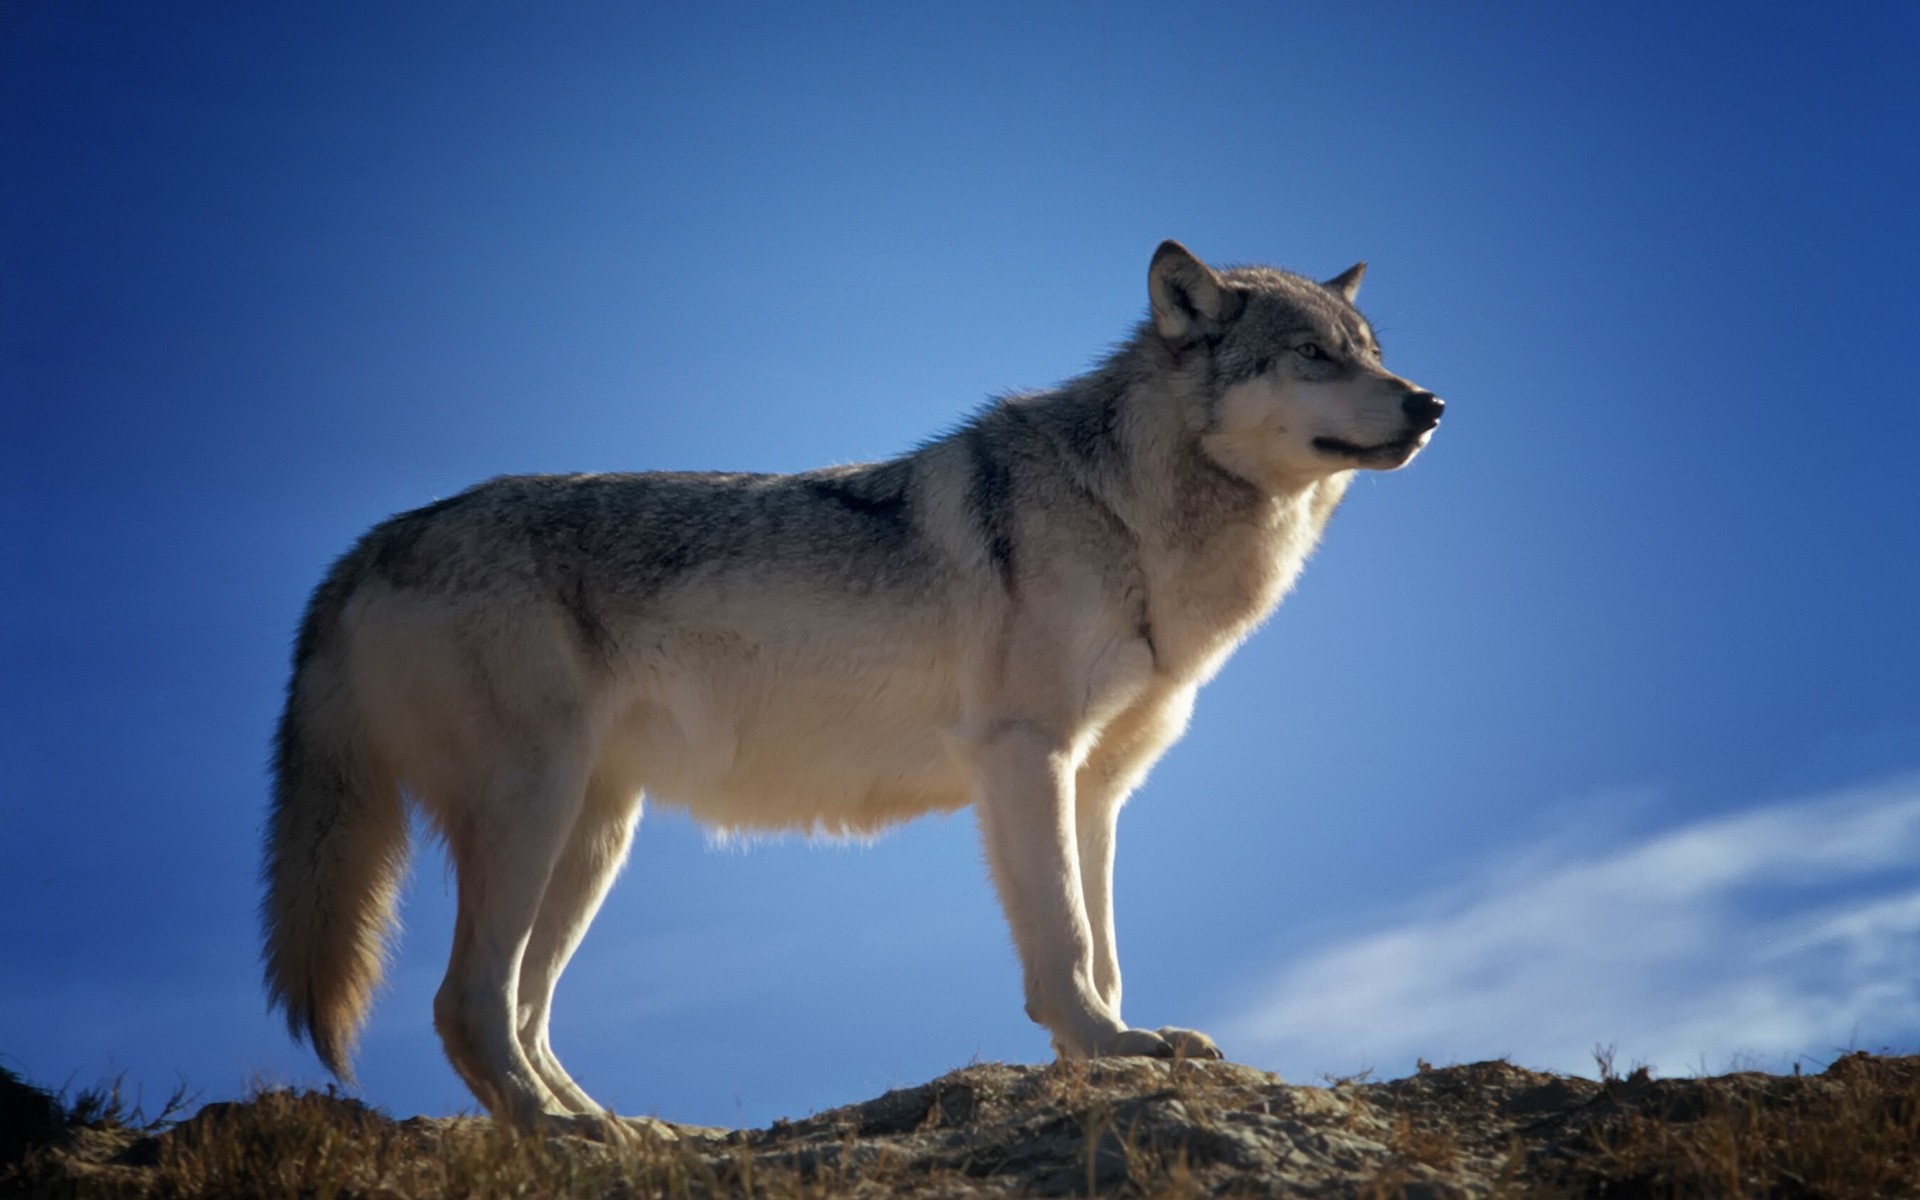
1310, 351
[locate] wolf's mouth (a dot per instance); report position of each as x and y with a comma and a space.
1346, 449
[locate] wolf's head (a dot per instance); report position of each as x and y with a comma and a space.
1294, 387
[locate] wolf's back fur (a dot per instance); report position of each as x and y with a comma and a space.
1015, 615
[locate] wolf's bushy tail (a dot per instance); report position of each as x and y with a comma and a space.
336, 845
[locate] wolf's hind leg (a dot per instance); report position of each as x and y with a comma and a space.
504, 846
596, 849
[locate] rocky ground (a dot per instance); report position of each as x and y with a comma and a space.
1114, 1128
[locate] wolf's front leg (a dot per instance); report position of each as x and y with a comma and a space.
1096, 818
1097, 824
1025, 803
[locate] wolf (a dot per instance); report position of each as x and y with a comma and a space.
1015, 615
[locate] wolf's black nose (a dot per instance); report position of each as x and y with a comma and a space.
1423, 409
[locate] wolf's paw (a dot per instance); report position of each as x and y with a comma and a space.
602, 1127
605, 1128
1165, 1042
648, 1128
1188, 1043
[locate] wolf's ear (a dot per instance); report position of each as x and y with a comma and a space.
1347, 283
1189, 300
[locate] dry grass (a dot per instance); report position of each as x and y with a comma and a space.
1179, 1131
321, 1146
1852, 1133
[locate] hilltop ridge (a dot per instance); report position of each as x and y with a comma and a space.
1124, 1127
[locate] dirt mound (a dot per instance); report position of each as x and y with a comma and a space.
1115, 1128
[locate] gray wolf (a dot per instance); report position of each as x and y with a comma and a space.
1014, 616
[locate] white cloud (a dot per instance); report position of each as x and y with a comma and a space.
1784, 931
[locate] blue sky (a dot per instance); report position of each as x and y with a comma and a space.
1598, 725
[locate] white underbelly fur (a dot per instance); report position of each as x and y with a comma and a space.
835, 745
